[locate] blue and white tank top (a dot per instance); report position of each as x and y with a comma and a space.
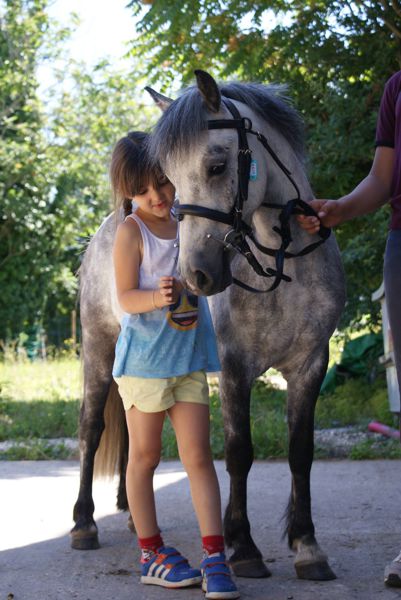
174, 340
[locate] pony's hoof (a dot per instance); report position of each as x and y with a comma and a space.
319, 571
254, 568
85, 539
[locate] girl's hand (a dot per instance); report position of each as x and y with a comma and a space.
169, 291
329, 214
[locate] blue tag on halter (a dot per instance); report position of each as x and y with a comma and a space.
253, 171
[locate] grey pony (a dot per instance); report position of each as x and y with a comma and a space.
288, 329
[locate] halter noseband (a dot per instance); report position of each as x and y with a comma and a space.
236, 236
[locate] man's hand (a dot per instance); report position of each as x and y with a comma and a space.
329, 214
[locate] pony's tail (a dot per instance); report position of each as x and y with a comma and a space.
113, 445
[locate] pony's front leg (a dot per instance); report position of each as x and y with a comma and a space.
246, 560
98, 361
303, 389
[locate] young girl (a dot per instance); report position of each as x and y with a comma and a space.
165, 347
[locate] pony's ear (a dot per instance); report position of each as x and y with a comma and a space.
209, 90
161, 101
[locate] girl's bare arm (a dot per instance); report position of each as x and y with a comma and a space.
127, 255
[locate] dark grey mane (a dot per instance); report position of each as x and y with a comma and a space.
182, 123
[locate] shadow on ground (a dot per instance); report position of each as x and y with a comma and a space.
355, 511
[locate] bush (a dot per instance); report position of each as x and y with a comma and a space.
40, 400
356, 402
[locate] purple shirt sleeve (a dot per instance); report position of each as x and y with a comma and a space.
388, 133
385, 130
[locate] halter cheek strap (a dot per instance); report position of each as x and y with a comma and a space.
236, 237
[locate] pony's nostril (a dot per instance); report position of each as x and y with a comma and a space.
201, 280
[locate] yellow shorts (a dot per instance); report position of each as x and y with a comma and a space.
155, 395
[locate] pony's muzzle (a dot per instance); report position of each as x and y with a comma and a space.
203, 281
205, 278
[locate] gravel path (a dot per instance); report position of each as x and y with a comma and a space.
355, 507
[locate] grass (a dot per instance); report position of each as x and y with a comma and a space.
356, 402
40, 401
42, 380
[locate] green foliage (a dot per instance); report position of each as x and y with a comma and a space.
313, 44
86, 120
335, 56
355, 402
40, 401
98, 108
25, 224
54, 158
54, 189
268, 421
38, 419
51, 380
379, 448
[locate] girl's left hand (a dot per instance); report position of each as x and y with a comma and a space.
170, 289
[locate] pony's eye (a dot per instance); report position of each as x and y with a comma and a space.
217, 169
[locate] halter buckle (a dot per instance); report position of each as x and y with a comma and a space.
233, 238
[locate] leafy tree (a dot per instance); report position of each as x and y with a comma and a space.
334, 55
54, 189
24, 167
87, 118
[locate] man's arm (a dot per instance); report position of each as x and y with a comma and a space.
369, 195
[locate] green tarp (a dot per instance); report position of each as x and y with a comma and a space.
359, 359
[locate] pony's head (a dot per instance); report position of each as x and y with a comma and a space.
199, 150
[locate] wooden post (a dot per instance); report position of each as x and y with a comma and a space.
388, 358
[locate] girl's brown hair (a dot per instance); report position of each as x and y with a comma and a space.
131, 169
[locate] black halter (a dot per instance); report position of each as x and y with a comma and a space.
236, 237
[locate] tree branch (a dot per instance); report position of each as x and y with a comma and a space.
350, 7
393, 28
396, 8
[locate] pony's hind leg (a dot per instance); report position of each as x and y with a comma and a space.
122, 499
98, 361
246, 561
303, 389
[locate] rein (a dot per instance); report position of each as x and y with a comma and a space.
236, 238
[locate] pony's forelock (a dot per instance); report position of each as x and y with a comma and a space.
181, 125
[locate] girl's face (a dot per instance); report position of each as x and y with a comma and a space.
156, 201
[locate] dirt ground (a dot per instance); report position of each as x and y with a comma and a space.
356, 509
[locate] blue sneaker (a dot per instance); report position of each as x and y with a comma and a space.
217, 582
169, 569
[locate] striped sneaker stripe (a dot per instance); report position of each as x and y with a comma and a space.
159, 571
153, 568
165, 573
